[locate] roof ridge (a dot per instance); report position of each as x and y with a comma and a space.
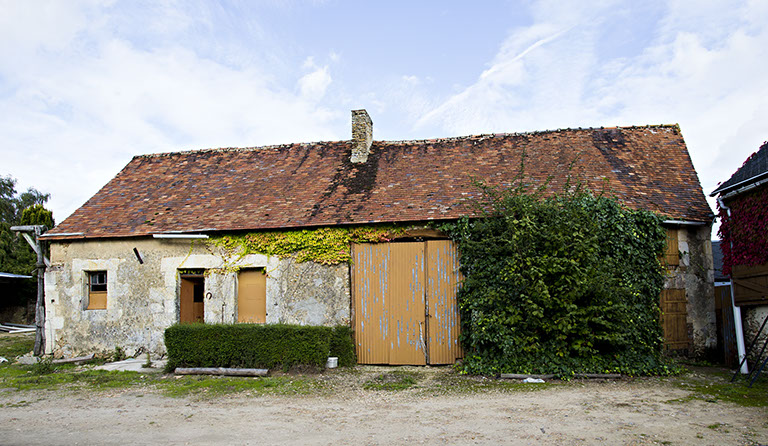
532, 132
401, 141
238, 149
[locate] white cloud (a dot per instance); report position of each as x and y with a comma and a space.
702, 66
78, 100
313, 85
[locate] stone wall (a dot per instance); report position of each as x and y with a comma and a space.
695, 274
143, 299
752, 318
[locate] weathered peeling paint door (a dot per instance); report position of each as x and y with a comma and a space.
391, 286
443, 278
252, 296
406, 304
370, 282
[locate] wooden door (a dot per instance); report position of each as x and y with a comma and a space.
443, 278
370, 277
252, 296
191, 298
391, 286
726, 333
674, 319
406, 305
186, 301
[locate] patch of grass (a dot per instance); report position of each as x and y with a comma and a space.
713, 385
209, 386
456, 383
392, 381
43, 367
13, 345
91, 379
21, 403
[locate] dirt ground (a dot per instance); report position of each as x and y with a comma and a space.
588, 412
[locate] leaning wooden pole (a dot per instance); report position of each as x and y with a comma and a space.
40, 304
37, 246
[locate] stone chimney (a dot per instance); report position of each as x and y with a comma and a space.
362, 136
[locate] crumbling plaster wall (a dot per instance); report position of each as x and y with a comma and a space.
753, 317
696, 275
143, 299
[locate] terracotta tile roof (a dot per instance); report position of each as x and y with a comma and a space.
753, 169
300, 185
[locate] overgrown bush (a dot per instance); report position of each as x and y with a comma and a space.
256, 346
564, 284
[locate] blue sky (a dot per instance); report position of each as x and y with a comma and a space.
85, 85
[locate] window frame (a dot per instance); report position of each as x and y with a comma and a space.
97, 299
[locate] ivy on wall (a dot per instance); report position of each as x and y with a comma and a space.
327, 246
745, 232
565, 284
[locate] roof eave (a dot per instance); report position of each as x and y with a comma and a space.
741, 187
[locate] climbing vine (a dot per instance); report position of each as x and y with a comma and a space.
745, 232
327, 246
563, 285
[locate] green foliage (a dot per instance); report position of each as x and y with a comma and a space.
118, 354
565, 284
256, 346
44, 366
342, 345
12, 205
327, 246
16, 345
37, 215
16, 256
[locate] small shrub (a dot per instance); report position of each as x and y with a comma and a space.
118, 354
148, 362
44, 366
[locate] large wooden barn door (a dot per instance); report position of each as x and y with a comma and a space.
370, 276
674, 319
443, 279
391, 285
405, 298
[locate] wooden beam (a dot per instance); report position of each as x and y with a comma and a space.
73, 360
220, 371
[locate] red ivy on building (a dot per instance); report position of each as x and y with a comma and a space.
745, 232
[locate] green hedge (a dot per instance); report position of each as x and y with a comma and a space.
257, 346
565, 284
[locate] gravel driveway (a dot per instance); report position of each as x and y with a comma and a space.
641, 411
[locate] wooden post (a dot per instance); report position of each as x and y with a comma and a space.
40, 304
37, 246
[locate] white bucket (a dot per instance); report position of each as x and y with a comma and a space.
332, 362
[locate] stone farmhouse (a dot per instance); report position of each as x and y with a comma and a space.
742, 199
137, 257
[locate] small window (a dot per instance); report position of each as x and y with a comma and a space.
97, 290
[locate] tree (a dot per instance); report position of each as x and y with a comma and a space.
16, 256
12, 205
37, 215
